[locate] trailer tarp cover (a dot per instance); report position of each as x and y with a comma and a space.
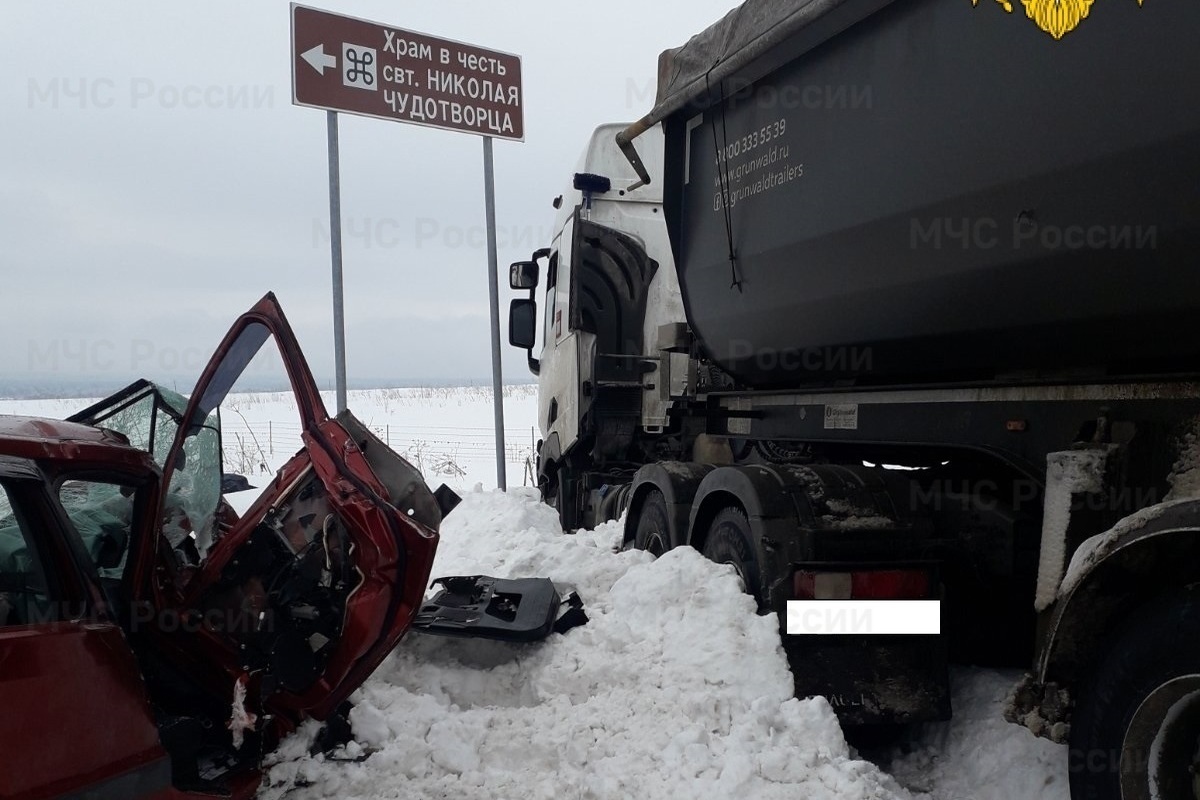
744, 34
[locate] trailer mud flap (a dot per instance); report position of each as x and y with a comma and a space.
518, 610
873, 680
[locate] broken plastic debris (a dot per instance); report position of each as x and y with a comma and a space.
242, 719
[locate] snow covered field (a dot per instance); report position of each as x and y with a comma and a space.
675, 688
446, 431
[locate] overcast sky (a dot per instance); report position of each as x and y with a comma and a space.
157, 181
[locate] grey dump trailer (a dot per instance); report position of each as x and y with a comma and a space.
896, 302
961, 200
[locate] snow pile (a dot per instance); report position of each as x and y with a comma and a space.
979, 756
675, 688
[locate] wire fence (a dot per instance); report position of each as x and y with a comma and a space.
255, 448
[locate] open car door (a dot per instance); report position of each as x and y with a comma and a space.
297, 601
244, 625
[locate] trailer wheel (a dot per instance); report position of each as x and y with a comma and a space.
653, 534
1135, 734
729, 541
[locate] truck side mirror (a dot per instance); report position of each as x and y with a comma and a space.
522, 323
523, 275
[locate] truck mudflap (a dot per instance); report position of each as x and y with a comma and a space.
873, 680
512, 610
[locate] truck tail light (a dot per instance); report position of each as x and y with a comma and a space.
875, 584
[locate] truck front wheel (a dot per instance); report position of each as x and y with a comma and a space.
557, 488
730, 541
1135, 734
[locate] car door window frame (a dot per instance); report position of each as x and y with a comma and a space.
139, 550
265, 322
19, 606
65, 595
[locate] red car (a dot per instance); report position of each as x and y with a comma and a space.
152, 642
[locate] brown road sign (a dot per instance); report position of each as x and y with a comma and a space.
345, 64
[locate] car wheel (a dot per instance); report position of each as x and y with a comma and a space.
1135, 733
729, 541
653, 533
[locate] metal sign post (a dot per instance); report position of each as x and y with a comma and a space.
489, 204
342, 63
335, 247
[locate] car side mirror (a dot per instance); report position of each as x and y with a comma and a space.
522, 323
523, 275
232, 482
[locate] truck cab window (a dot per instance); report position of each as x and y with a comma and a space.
24, 597
548, 335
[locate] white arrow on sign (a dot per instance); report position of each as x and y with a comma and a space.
318, 59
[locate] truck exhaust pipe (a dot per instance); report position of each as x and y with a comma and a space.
625, 142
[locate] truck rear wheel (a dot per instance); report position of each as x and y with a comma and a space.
730, 541
1135, 734
653, 534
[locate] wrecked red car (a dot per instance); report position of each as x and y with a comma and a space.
154, 643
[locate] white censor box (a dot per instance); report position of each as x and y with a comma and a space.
864, 617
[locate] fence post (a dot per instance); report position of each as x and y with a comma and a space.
271, 437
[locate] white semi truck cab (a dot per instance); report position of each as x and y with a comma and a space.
608, 294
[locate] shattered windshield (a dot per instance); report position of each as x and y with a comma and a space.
145, 413
149, 415
190, 509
